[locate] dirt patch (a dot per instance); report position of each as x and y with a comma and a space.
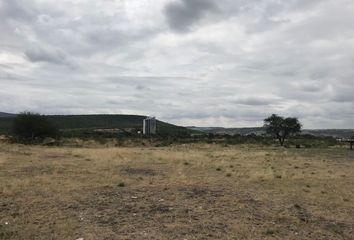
57, 156
340, 228
139, 171
199, 212
300, 212
35, 170
200, 192
126, 211
173, 213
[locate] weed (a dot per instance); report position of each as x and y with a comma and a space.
336, 228
297, 206
5, 232
270, 232
121, 184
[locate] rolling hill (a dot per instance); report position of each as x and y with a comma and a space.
104, 121
336, 133
101, 121
4, 115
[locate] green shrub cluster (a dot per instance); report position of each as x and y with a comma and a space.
29, 127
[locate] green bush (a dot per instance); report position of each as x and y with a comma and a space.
29, 127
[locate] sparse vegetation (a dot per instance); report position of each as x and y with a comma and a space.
122, 130
121, 184
145, 192
104, 126
270, 232
29, 127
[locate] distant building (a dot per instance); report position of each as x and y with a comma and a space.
149, 126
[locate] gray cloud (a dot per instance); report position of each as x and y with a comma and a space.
344, 95
17, 10
197, 62
256, 101
41, 55
183, 14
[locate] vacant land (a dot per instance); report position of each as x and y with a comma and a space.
178, 192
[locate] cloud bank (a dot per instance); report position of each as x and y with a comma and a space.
191, 62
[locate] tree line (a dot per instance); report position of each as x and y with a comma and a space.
28, 126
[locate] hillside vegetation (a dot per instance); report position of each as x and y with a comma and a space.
76, 123
3, 114
337, 133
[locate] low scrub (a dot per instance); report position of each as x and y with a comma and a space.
31, 127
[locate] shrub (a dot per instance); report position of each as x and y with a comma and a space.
121, 184
28, 126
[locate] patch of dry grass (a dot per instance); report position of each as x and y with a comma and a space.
178, 192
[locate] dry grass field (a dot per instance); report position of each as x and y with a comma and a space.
178, 192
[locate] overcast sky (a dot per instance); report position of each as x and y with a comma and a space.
190, 62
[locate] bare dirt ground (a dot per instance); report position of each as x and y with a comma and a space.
178, 192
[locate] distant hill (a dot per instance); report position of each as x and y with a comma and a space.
3, 114
118, 121
230, 131
337, 133
91, 122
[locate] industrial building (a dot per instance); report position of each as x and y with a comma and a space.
149, 126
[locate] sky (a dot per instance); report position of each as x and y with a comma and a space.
228, 63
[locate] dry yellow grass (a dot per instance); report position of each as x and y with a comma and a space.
177, 192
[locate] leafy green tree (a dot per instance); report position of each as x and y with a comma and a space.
282, 128
28, 126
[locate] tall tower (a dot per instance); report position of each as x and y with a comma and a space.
149, 126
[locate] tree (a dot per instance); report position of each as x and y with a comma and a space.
281, 127
28, 126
